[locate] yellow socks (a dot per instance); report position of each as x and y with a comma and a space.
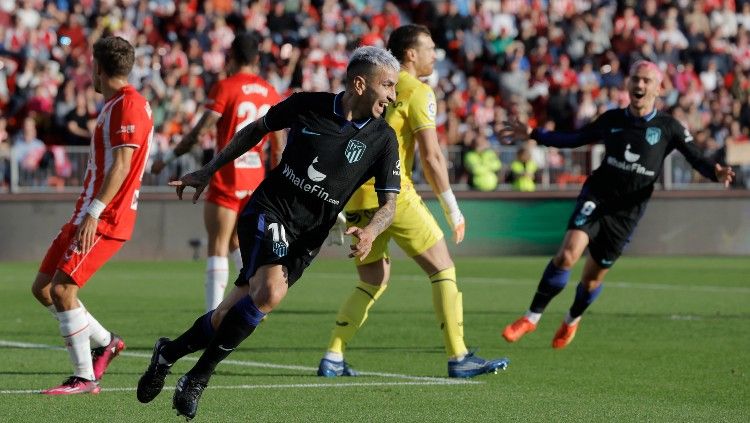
446, 300
448, 304
352, 315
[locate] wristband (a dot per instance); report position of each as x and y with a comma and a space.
168, 156
448, 202
95, 208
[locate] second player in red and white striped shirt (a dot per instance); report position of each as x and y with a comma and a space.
232, 103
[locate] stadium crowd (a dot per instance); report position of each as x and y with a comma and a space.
558, 63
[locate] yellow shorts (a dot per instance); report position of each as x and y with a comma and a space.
414, 228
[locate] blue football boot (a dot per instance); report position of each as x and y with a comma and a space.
329, 368
473, 365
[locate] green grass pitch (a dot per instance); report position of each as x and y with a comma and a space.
668, 340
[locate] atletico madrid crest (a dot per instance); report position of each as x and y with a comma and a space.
279, 248
354, 150
653, 135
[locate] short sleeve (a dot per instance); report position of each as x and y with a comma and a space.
217, 98
422, 109
283, 115
387, 169
129, 120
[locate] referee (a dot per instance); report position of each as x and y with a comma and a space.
614, 197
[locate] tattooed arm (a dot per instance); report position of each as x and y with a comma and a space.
245, 139
379, 222
384, 216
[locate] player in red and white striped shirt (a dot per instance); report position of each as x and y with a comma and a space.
232, 103
103, 218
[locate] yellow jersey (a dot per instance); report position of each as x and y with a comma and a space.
414, 110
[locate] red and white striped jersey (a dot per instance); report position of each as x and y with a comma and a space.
125, 121
239, 100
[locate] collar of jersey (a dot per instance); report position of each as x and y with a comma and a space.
121, 91
338, 106
646, 118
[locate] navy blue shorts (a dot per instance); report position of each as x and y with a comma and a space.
609, 228
264, 240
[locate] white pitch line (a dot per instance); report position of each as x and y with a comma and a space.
415, 380
511, 281
279, 386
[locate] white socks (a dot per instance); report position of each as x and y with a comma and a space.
334, 356
236, 256
571, 321
217, 275
533, 317
74, 328
98, 336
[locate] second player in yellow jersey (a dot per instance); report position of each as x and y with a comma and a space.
414, 229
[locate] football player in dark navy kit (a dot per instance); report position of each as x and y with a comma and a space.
336, 142
614, 197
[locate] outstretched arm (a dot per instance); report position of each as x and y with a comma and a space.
206, 122
379, 222
515, 130
245, 139
708, 168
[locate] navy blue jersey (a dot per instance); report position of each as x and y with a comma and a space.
635, 149
325, 160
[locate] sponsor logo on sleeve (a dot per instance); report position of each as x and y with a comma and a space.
688, 136
432, 110
126, 129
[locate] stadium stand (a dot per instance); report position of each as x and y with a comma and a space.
560, 63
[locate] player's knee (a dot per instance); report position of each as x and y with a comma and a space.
276, 294
40, 289
376, 273
41, 294
61, 293
565, 259
435, 259
217, 316
269, 297
442, 264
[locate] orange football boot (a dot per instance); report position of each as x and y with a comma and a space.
514, 331
564, 335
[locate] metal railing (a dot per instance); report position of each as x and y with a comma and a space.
63, 170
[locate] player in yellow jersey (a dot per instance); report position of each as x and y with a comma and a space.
414, 228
